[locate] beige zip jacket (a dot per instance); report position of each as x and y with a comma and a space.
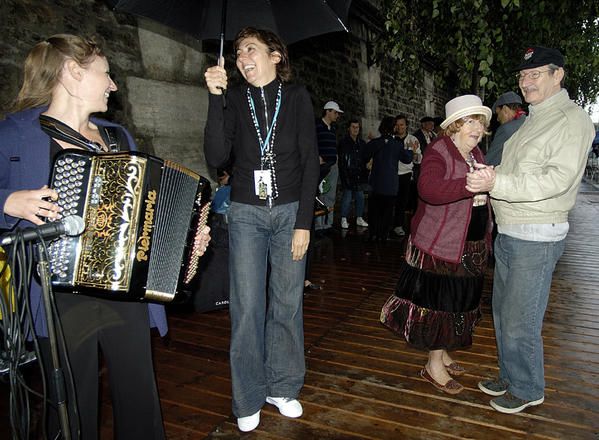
543, 164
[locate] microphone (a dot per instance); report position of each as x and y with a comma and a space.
72, 225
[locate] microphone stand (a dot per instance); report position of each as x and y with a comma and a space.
57, 373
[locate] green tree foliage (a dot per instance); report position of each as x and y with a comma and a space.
479, 42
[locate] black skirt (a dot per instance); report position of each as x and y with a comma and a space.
436, 304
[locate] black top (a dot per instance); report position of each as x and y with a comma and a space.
114, 137
327, 142
351, 166
386, 152
478, 223
231, 132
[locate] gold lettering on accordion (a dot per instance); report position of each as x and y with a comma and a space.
146, 237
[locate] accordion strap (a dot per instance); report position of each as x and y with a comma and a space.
61, 131
112, 137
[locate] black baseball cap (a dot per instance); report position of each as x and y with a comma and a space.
536, 56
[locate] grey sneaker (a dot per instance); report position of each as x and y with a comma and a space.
510, 404
493, 387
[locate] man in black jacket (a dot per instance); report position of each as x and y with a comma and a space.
425, 134
351, 168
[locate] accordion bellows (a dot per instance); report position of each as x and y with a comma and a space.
141, 215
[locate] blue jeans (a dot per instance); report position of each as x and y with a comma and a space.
267, 334
346, 202
521, 284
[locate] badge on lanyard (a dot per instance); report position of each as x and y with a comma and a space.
263, 183
265, 179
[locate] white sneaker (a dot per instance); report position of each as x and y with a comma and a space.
361, 222
399, 231
287, 406
249, 423
344, 224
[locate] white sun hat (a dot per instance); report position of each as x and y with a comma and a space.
464, 105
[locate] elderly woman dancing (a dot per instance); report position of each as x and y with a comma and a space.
436, 303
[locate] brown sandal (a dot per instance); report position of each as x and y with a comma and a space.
455, 369
451, 387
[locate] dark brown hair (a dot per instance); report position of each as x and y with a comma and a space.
386, 126
404, 117
274, 44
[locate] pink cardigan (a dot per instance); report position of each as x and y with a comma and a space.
440, 224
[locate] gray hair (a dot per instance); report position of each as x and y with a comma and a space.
553, 68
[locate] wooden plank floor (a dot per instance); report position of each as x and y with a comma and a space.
362, 382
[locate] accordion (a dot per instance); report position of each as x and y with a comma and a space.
141, 216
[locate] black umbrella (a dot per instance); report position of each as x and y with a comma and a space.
292, 20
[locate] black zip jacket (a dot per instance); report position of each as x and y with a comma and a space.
230, 132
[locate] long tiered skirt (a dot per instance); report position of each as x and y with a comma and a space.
436, 304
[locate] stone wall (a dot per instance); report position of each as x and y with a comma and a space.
169, 102
23, 23
162, 97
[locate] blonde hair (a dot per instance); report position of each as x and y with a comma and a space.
44, 63
455, 126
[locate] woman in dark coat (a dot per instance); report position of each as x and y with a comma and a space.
385, 151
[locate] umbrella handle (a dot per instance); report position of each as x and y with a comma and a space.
222, 89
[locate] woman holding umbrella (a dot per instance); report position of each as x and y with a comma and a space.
268, 127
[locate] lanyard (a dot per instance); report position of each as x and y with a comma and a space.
268, 142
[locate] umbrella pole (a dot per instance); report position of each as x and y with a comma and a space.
223, 25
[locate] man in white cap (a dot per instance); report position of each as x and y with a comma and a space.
510, 115
327, 149
532, 192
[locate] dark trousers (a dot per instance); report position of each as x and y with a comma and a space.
380, 215
121, 330
413, 201
402, 199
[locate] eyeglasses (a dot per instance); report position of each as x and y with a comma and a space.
535, 74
